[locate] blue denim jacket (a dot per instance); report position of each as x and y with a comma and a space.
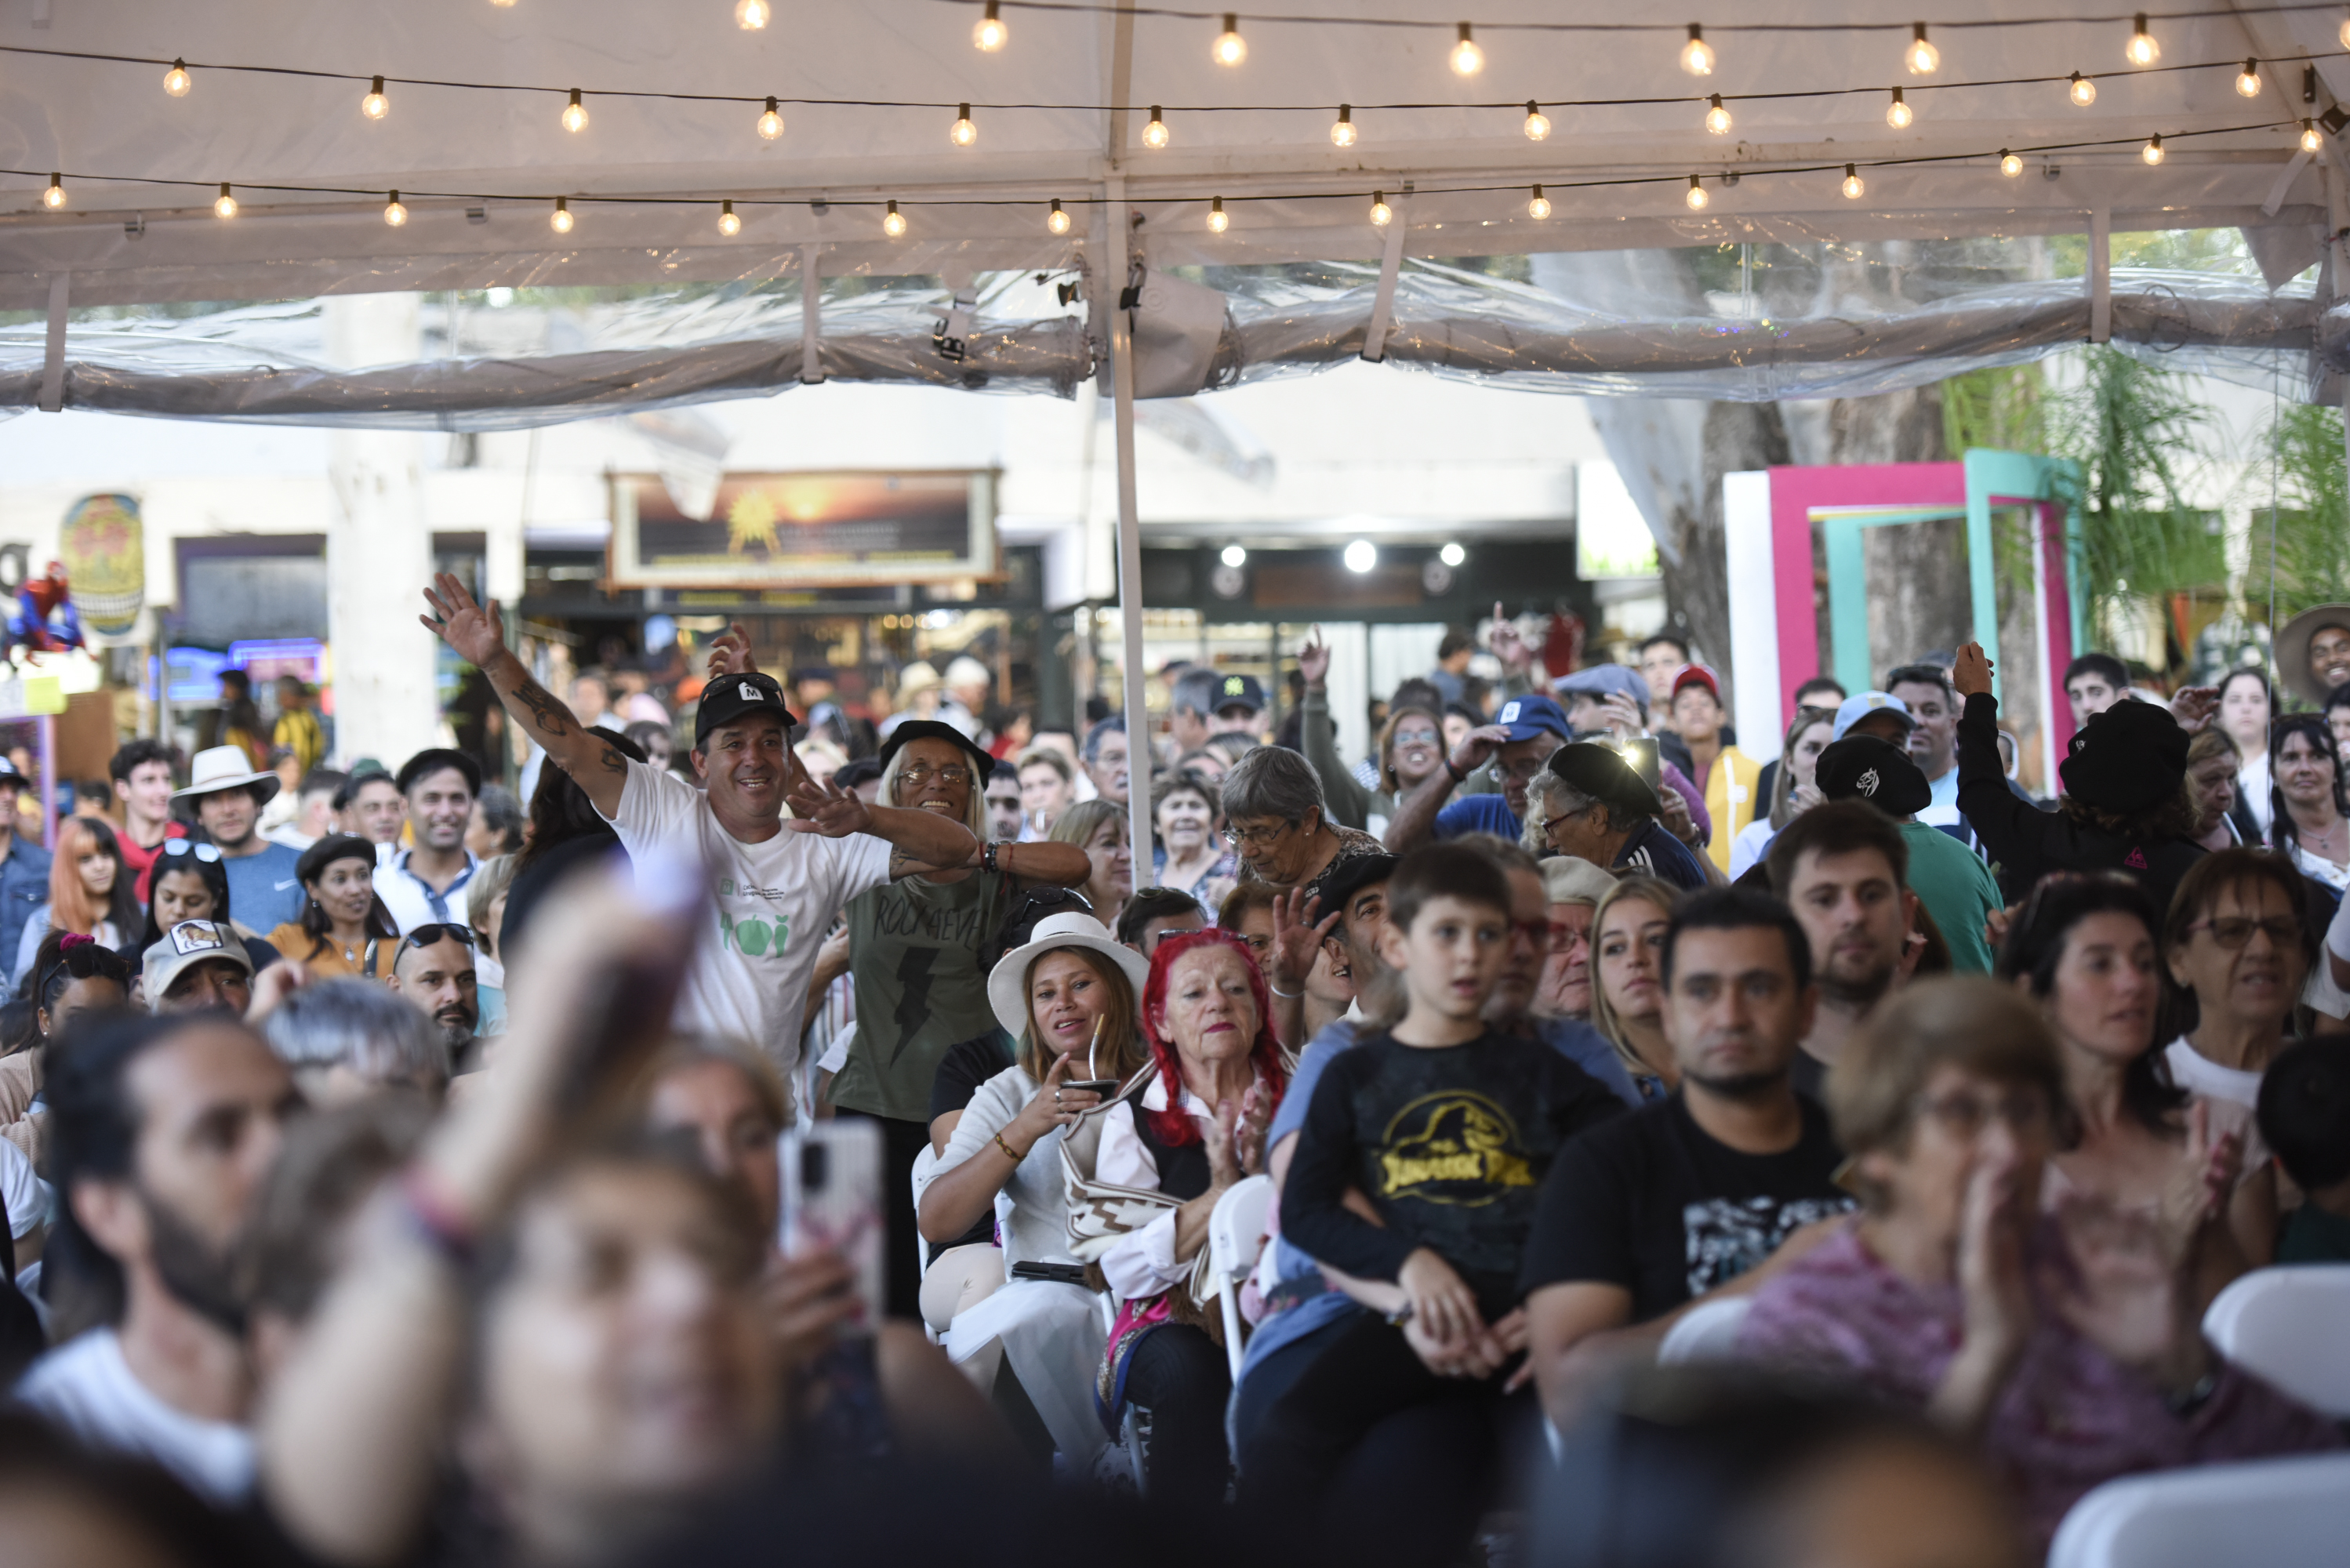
24, 887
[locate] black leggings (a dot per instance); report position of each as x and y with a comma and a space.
1183, 1378
1394, 1462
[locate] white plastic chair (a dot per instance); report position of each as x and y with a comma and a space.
1707, 1331
926, 1165
2278, 1513
2287, 1327
1235, 1240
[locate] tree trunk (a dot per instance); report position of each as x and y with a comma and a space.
1737, 437
1920, 593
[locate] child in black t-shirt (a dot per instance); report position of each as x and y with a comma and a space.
1447, 1130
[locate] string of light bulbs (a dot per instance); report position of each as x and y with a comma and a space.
1716, 117
562, 220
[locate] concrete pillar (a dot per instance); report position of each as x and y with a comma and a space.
379, 553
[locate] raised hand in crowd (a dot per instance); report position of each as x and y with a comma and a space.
2193, 706
730, 653
1508, 646
1296, 947
1971, 674
826, 808
1622, 716
1313, 660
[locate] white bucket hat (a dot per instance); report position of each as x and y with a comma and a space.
1007, 982
227, 767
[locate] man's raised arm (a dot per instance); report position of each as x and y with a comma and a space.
479, 637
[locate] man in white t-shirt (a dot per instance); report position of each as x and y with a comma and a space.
777, 882
160, 1132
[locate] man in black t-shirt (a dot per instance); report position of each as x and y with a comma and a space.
1680, 1199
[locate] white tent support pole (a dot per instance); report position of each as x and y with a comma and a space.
1129, 560
811, 316
53, 366
1374, 336
2101, 275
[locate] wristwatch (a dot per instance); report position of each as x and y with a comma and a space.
1401, 1316
987, 854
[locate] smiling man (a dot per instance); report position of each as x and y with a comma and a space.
228, 796
776, 883
426, 883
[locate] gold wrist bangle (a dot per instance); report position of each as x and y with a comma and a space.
1015, 1156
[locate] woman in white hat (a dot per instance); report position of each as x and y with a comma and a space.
1069, 997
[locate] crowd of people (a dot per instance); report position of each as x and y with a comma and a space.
406, 1171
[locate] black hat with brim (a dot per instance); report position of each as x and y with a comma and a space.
937, 730
2130, 757
728, 698
1871, 768
1600, 770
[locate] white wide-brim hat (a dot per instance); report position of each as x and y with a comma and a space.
227, 767
1007, 982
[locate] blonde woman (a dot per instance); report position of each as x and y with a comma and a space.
1794, 790
1098, 828
1627, 993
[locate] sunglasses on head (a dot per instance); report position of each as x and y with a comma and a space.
450, 930
207, 852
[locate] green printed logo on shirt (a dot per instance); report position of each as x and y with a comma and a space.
753, 937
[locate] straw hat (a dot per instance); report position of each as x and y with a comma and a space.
919, 676
1007, 982
227, 767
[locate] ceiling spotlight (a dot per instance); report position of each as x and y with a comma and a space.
1697, 197
1217, 222
1538, 208
394, 213
1230, 49
1381, 213
1057, 221
1852, 186
1154, 135
991, 34
2082, 91
175, 80
2248, 80
1468, 60
1235, 555
1696, 55
753, 14
1922, 57
2142, 49
2009, 163
2152, 150
728, 223
561, 222
574, 113
1452, 555
375, 106
1716, 119
226, 206
1342, 133
1898, 114
1362, 555
2310, 140
893, 222
964, 132
1537, 122
55, 196
771, 121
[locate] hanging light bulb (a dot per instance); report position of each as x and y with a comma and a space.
1342, 133
561, 222
1539, 208
2142, 49
2248, 80
964, 132
1057, 221
1852, 186
893, 222
1468, 60
574, 113
176, 80
1381, 213
771, 121
394, 212
375, 106
991, 34
1716, 119
1696, 55
1154, 135
2310, 140
1922, 57
502, 5
753, 14
2344, 34
55, 196
226, 206
1217, 222
1230, 49
2082, 91
1537, 122
1697, 197
1898, 114
2009, 163
728, 223
2152, 150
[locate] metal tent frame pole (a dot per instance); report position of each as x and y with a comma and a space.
1139, 755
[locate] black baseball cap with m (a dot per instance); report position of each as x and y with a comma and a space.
728, 697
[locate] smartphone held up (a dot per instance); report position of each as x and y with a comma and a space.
832, 1203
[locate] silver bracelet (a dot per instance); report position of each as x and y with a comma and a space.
1285, 996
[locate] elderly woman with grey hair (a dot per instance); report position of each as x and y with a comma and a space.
346, 1039
1277, 818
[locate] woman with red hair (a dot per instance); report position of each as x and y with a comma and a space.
1145, 1172
90, 892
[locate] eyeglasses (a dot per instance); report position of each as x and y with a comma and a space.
921, 774
1966, 1115
1561, 937
1416, 737
1253, 837
2233, 931
207, 852
426, 935
1524, 768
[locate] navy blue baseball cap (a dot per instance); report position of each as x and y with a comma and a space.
1527, 717
728, 697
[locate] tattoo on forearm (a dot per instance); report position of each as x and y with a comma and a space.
614, 762
548, 716
901, 863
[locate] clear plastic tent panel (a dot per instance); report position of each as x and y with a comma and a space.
1787, 316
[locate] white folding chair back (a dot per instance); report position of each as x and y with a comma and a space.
926, 1165
1235, 1238
2278, 1513
1707, 1331
2291, 1327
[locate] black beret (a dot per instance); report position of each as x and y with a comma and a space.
1600, 770
1350, 875
1866, 767
2130, 757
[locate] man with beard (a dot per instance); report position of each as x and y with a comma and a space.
434, 970
426, 883
1844, 869
1688, 1197
160, 1132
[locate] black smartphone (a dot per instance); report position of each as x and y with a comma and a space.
1105, 1087
1641, 752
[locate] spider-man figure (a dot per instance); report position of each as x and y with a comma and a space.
45, 620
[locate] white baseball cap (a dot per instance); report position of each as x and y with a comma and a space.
1859, 706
